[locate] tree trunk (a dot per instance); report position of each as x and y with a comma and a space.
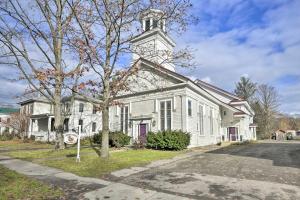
106, 89
57, 43
105, 121
59, 140
105, 132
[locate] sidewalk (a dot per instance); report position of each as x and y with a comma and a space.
76, 187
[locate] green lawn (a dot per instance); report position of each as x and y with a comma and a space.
16, 186
91, 165
19, 144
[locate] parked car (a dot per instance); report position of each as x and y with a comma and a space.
289, 136
273, 136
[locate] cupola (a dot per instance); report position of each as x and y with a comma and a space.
153, 43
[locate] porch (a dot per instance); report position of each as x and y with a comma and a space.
42, 127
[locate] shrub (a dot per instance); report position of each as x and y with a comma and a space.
168, 140
6, 136
116, 139
140, 143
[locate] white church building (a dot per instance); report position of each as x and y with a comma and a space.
159, 99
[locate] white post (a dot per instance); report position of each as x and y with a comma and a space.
78, 144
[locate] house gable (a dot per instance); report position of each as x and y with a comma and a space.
149, 78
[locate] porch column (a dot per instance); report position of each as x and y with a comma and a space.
30, 128
49, 124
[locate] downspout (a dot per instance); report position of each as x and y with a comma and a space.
181, 113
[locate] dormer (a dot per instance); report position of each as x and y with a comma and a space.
153, 43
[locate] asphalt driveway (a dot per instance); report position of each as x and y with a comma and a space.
267, 170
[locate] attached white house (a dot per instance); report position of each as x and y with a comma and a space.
159, 99
76, 112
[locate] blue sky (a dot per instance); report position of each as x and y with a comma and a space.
255, 38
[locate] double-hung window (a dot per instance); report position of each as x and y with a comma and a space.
81, 105
124, 119
201, 121
190, 108
211, 121
80, 122
165, 115
94, 109
94, 126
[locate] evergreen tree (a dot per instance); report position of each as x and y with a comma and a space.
245, 89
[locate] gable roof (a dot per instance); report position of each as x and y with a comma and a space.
219, 90
188, 81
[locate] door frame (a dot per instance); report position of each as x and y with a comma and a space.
236, 133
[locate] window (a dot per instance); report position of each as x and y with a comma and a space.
155, 23
66, 125
162, 116
201, 122
124, 119
52, 124
211, 122
67, 107
165, 115
81, 105
147, 25
80, 122
94, 109
224, 113
94, 126
31, 109
190, 108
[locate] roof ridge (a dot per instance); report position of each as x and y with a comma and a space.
198, 81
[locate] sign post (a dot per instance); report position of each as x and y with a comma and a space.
78, 144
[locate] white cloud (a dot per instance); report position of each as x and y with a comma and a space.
267, 51
206, 79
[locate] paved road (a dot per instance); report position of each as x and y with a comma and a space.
268, 170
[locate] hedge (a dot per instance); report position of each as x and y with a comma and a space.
116, 139
168, 140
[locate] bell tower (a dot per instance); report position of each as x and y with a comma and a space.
153, 43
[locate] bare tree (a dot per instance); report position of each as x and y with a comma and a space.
17, 122
267, 103
34, 36
106, 29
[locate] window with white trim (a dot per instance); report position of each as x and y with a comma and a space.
190, 108
165, 115
124, 119
211, 121
201, 121
81, 106
80, 122
94, 126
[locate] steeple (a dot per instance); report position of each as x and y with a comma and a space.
153, 43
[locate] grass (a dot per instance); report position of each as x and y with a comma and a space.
91, 165
16, 186
19, 144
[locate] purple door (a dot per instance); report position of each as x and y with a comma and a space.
232, 134
143, 132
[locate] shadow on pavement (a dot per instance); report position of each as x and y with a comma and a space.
282, 154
